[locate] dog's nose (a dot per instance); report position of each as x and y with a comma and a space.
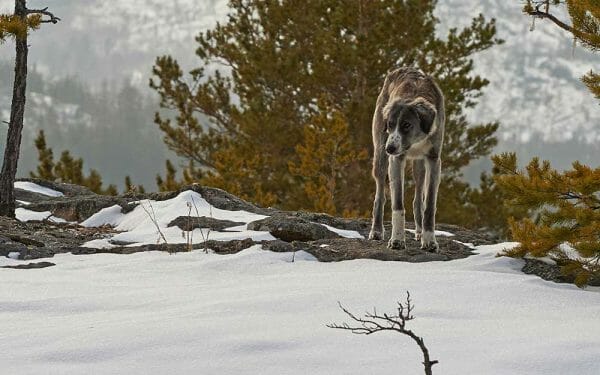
390, 149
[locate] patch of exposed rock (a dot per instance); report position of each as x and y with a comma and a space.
551, 272
292, 228
189, 223
34, 240
347, 249
28, 266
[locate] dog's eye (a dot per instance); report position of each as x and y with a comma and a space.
389, 125
406, 126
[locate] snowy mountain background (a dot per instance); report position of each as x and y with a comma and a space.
535, 90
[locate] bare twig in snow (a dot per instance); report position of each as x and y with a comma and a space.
152, 215
188, 234
204, 237
374, 322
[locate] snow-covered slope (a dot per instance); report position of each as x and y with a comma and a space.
256, 312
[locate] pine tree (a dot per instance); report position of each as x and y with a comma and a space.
242, 124
130, 187
170, 183
67, 169
585, 27
45, 168
128, 184
566, 225
326, 155
17, 25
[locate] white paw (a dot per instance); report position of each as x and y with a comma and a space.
428, 242
376, 235
397, 244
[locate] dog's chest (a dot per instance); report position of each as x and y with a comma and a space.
419, 149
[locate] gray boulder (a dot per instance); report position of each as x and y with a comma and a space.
190, 223
290, 228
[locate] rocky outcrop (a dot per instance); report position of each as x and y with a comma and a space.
294, 231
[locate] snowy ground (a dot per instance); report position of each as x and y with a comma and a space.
256, 312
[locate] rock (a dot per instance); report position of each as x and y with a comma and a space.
227, 247
31, 266
336, 250
360, 225
58, 238
278, 246
11, 247
551, 272
190, 223
69, 190
30, 253
290, 228
77, 208
25, 240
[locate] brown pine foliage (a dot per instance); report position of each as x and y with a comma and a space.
326, 160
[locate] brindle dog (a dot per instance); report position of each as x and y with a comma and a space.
408, 124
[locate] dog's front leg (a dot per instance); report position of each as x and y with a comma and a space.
419, 171
396, 172
433, 167
380, 166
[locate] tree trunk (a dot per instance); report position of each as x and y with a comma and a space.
15, 127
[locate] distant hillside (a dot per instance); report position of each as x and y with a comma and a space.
111, 127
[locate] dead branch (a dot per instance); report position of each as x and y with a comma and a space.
44, 12
373, 322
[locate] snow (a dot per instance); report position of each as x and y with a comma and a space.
343, 232
261, 312
14, 255
138, 227
35, 188
23, 214
257, 312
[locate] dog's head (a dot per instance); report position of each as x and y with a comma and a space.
407, 123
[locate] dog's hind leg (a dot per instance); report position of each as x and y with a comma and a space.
433, 167
419, 179
380, 166
396, 172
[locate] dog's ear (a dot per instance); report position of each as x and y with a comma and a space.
386, 112
426, 112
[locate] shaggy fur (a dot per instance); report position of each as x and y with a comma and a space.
408, 124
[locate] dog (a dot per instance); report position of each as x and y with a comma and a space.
408, 123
